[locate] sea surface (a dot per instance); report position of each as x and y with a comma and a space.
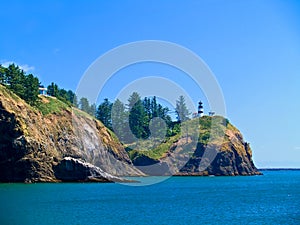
273, 198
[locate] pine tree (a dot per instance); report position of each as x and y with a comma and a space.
147, 106
16, 79
137, 116
10, 74
71, 97
31, 89
92, 110
2, 74
119, 119
84, 105
75, 100
104, 113
134, 97
62, 94
181, 110
52, 90
154, 107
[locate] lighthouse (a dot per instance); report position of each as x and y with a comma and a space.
200, 109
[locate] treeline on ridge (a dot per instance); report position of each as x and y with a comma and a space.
137, 114
26, 86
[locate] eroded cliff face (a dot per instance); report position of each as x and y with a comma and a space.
233, 157
32, 145
208, 148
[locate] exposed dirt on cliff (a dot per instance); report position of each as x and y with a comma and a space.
32, 144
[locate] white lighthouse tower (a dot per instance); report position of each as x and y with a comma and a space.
200, 109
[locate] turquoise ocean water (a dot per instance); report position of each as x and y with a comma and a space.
270, 199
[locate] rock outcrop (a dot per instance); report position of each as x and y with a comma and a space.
70, 170
212, 146
233, 158
33, 145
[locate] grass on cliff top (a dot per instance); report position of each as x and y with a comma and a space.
204, 130
79, 112
48, 105
8, 93
151, 148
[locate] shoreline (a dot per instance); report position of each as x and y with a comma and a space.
277, 169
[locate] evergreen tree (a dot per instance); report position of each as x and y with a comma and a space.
138, 119
181, 110
154, 107
2, 74
84, 105
134, 97
147, 106
75, 100
31, 89
16, 79
10, 74
62, 94
104, 113
71, 97
92, 110
119, 119
52, 90
161, 112
17, 84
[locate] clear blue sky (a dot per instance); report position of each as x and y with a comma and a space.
252, 47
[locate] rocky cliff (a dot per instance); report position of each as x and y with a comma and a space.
34, 146
53, 142
206, 146
232, 157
